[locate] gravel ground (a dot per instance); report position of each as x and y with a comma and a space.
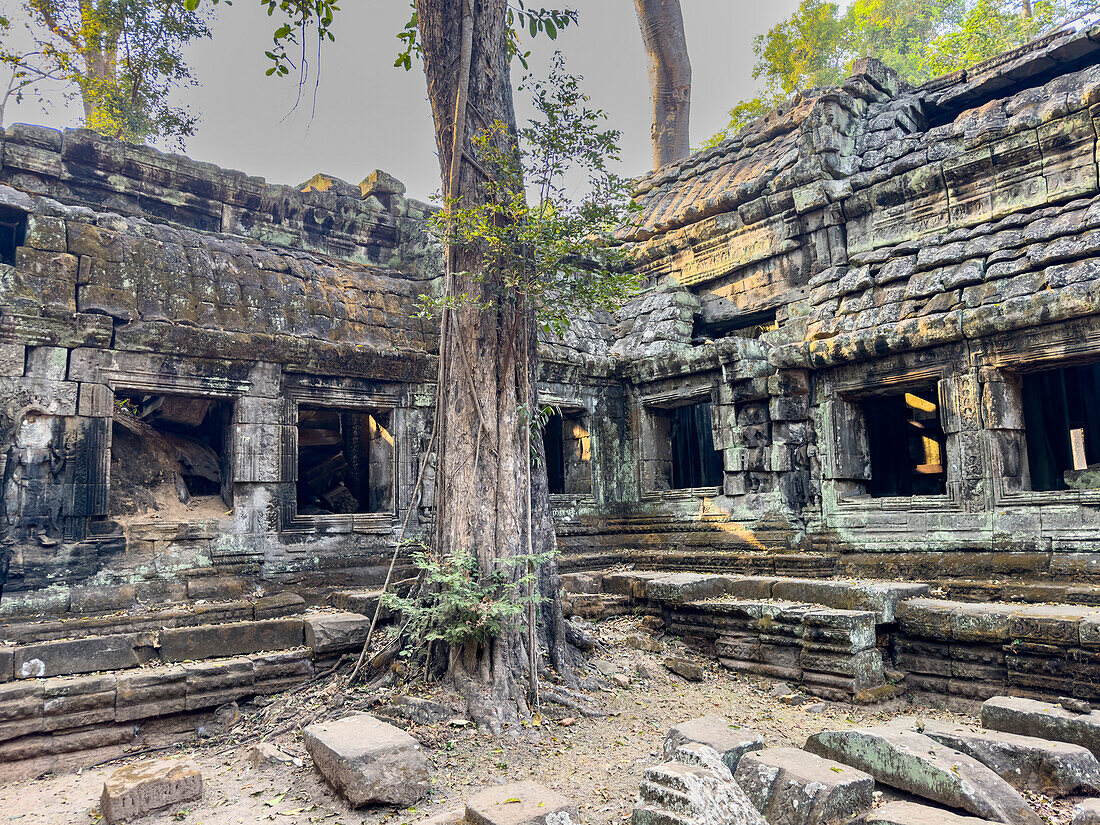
597, 761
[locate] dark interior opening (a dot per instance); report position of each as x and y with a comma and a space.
345, 461
170, 450
568, 453
1062, 424
906, 442
695, 462
555, 453
748, 325
13, 232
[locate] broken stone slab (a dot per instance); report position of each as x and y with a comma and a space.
695, 753
731, 741
265, 754
673, 793
799, 788
1030, 717
521, 803
914, 763
641, 642
913, 813
137, 790
685, 668
1025, 762
368, 761
335, 632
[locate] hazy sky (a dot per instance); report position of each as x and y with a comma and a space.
370, 115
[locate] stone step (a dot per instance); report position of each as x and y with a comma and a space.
324, 632
70, 713
121, 651
879, 597
177, 615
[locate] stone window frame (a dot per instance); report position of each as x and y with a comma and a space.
1004, 361
349, 399
844, 420
669, 400
158, 383
567, 407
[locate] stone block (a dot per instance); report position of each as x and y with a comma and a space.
910, 762
12, 360
729, 740
216, 682
913, 813
675, 793
686, 587
134, 791
281, 670
335, 632
146, 693
368, 761
1086, 812
1025, 762
85, 655
73, 702
233, 639
521, 803
792, 786
1030, 717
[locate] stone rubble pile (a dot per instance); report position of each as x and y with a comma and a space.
945, 773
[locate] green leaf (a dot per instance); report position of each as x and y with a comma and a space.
551, 30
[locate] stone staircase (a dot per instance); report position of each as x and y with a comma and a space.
70, 683
864, 641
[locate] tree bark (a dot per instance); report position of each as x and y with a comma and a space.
662, 25
485, 355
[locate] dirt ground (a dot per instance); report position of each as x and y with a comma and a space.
596, 761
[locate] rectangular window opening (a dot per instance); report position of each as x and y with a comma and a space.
568, 453
345, 461
13, 232
749, 325
169, 457
906, 442
1062, 427
694, 461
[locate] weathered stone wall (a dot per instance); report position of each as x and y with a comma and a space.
859, 241
862, 241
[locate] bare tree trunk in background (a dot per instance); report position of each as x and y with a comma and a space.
662, 25
486, 358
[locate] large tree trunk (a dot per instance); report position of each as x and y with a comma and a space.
662, 26
482, 489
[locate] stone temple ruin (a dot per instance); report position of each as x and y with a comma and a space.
868, 348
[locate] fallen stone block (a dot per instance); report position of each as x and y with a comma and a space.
914, 763
1025, 762
1087, 812
673, 793
729, 740
1029, 717
336, 632
521, 803
367, 761
882, 598
685, 668
798, 788
137, 790
913, 813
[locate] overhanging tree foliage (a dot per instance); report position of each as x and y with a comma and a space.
121, 58
919, 39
